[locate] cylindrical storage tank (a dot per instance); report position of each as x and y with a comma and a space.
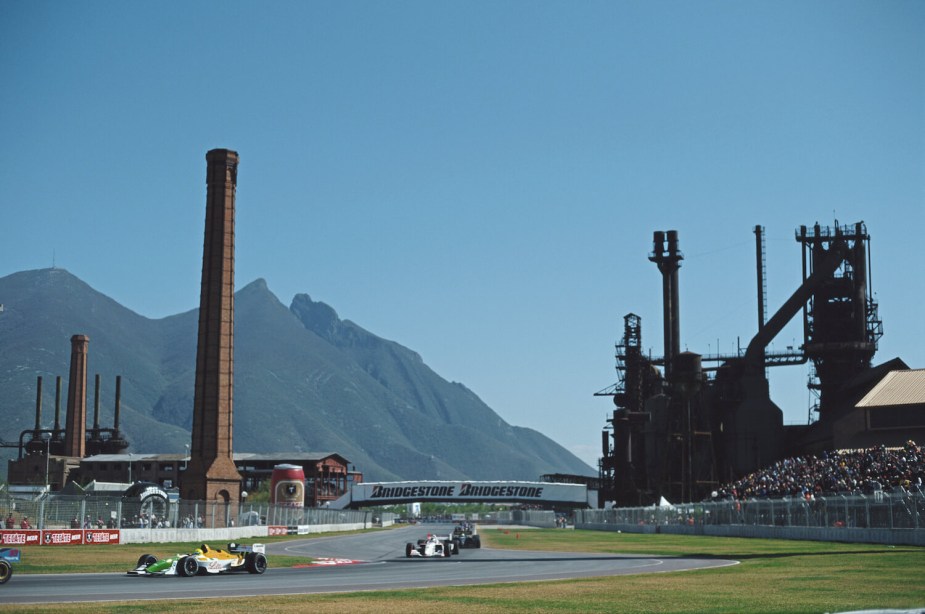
287, 486
621, 439
687, 372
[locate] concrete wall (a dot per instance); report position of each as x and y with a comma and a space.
224, 535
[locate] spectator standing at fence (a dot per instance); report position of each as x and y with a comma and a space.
10, 523
25, 523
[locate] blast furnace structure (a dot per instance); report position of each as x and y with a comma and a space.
680, 428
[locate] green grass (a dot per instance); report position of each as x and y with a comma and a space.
106, 558
774, 576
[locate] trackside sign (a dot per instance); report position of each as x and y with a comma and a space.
373, 493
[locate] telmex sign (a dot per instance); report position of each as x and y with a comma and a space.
540, 492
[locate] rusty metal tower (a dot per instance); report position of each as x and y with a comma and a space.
842, 325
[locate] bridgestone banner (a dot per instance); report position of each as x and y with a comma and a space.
372, 493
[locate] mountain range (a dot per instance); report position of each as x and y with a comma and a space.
305, 381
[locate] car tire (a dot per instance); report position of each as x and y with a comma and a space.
408, 548
146, 559
188, 566
6, 571
255, 562
476, 542
447, 550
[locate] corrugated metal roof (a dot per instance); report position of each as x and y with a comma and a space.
897, 388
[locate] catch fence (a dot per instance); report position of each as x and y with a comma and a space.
880, 517
50, 511
877, 511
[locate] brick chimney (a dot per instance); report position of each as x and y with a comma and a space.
76, 429
211, 474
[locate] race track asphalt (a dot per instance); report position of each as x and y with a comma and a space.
383, 566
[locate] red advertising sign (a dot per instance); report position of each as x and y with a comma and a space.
20, 538
101, 536
63, 537
277, 530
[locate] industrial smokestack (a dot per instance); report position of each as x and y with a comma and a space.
211, 473
36, 445
668, 260
38, 405
115, 425
58, 406
75, 434
674, 257
96, 404
860, 281
116, 444
762, 283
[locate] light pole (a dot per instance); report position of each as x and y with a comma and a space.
130, 468
47, 455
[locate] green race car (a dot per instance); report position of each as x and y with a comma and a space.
205, 560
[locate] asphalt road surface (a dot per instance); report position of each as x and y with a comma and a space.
384, 566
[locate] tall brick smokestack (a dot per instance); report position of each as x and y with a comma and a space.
76, 428
211, 474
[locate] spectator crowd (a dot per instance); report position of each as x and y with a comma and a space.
838, 472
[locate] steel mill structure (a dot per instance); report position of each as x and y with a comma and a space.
684, 423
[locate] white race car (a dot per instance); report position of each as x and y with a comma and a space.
431, 547
205, 560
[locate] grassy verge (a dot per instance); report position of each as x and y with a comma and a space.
774, 576
87, 559
115, 558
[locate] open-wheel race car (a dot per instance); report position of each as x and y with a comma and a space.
7, 556
432, 546
466, 536
205, 560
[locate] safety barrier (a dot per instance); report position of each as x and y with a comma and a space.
893, 518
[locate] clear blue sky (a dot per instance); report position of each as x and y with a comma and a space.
478, 181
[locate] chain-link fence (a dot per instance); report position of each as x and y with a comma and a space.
531, 518
880, 510
50, 511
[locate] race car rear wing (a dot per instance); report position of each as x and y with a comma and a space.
236, 548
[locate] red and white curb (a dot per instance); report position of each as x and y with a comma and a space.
328, 562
